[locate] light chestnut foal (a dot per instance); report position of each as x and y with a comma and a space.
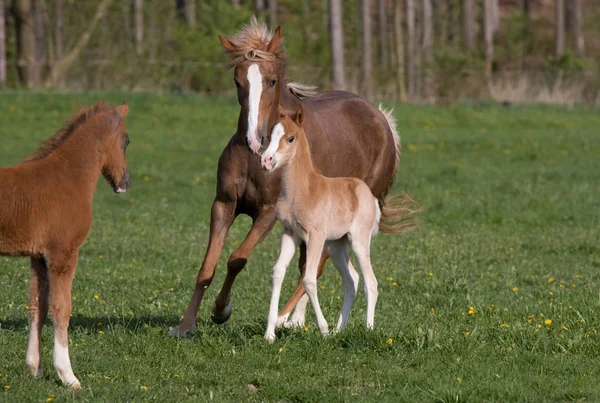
334, 213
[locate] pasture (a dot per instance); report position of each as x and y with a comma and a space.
494, 297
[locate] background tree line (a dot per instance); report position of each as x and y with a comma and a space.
409, 50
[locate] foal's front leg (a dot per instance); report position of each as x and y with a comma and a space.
61, 271
38, 311
289, 242
314, 248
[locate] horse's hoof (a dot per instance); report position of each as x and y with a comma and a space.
220, 317
180, 331
75, 386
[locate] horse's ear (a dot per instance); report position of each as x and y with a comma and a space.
299, 116
227, 44
276, 41
122, 110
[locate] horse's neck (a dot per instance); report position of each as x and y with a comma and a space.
78, 158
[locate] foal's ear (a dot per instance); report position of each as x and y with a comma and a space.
281, 112
276, 41
227, 44
299, 115
122, 110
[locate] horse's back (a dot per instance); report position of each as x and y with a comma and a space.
350, 137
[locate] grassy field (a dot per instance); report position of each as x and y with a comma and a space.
493, 298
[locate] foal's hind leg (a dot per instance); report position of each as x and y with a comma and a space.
300, 299
339, 256
38, 311
61, 271
362, 248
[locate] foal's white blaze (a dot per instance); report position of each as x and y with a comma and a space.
276, 135
62, 363
255, 81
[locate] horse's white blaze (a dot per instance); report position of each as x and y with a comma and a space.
62, 363
255, 81
276, 135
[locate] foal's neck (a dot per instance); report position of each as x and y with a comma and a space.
299, 171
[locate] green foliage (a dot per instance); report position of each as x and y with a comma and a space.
455, 67
508, 242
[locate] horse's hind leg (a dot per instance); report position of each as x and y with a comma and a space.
340, 258
38, 311
261, 226
61, 270
299, 299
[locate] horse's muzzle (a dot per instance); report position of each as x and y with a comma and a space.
123, 184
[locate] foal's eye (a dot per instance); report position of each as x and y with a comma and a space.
290, 140
127, 142
272, 83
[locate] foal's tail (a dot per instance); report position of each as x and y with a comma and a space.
398, 214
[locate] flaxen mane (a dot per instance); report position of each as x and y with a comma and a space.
251, 45
77, 120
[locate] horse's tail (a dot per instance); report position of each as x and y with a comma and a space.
398, 214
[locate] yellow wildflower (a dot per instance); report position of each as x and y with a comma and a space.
281, 350
515, 289
107, 377
459, 380
6, 387
100, 332
471, 310
548, 322
305, 329
565, 328
96, 297
390, 341
394, 284
143, 388
467, 334
550, 280
50, 398
505, 325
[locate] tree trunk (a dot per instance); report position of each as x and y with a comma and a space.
366, 57
58, 30
427, 23
235, 3
61, 66
152, 38
2, 44
410, 48
495, 9
336, 35
469, 24
186, 9
25, 41
488, 36
272, 13
528, 34
138, 6
259, 8
559, 21
383, 34
399, 38
577, 28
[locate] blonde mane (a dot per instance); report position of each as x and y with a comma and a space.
251, 45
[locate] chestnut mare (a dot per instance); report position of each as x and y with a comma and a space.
335, 213
348, 137
46, 214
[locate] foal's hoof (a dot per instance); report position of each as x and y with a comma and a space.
36, 372
75, 386
181, 331
220, 317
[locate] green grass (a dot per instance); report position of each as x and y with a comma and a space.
511, 228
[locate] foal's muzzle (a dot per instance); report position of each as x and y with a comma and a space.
123, 184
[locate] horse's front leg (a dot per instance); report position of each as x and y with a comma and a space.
61, 267
222, 216
299, 299
38, 311
261, 226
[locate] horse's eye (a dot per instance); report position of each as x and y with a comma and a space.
272, 83
127, 142
290, 140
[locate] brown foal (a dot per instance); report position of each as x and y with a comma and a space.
46, 214
348, 137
